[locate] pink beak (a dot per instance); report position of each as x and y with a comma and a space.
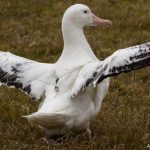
100, 22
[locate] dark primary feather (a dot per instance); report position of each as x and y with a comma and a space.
14, 79
123, 60
24, 74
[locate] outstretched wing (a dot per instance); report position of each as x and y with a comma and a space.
123, 60
26, 75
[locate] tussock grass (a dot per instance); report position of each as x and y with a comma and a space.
32, 29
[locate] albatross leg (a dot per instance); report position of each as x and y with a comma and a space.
53, 134
88, 131
53, 137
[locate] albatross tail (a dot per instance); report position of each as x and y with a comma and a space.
48, 120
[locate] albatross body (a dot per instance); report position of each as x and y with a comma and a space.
73, 87
76, 111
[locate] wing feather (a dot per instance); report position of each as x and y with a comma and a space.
123, 60
26, 75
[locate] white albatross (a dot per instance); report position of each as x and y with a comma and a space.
74, 87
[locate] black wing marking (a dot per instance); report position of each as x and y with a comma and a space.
123, 60
14, 80
26, 75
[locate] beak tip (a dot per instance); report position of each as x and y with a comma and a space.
99, 21
110, 23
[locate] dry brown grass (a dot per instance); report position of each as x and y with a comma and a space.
32, 29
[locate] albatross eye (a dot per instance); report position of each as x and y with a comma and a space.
85, 11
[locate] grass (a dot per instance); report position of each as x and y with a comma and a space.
32, 29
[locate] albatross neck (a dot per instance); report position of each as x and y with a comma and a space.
76, 46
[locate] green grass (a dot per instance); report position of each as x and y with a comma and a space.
32, 29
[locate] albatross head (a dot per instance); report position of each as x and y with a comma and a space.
80, 15
75, 18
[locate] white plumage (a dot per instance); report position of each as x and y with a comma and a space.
76, 84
